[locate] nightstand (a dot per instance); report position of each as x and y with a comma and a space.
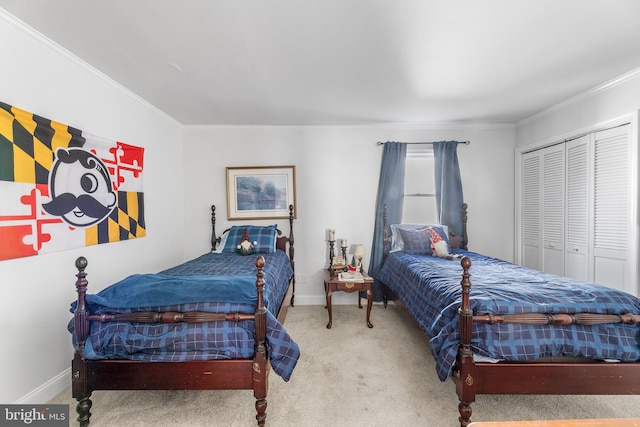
333, 284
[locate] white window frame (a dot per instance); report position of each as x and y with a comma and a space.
419, 205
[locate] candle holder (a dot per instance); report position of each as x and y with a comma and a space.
332, 244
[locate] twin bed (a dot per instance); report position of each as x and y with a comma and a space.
214, 322
514, 330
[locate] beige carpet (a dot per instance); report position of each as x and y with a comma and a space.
349, 375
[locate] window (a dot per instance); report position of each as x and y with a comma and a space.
419, 188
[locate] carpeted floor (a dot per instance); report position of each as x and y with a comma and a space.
349, 375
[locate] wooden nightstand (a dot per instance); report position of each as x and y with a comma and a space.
332, 284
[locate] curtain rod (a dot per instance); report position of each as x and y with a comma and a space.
429, 142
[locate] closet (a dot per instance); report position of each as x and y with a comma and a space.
578, 208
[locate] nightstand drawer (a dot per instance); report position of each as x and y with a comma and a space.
349, 286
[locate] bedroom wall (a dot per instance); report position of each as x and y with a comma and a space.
337, 178
35, 292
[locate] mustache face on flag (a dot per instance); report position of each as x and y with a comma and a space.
80, 188
80, 206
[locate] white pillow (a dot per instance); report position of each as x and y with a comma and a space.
223, 241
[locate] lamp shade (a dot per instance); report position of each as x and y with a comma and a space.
358, 251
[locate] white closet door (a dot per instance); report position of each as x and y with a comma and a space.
577, 225
553, 201
531, 210
611, 224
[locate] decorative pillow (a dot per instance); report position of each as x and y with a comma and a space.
416, 241
264, 238
397, 244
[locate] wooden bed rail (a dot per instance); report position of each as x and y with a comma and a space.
559, 318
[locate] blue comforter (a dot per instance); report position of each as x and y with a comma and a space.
198, 285
154, 290
429, 287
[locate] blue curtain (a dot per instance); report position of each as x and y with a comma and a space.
391, 194
449, 196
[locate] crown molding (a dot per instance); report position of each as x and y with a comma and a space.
624, 78
365, 126
55, 47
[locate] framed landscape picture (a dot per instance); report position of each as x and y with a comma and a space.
260, 192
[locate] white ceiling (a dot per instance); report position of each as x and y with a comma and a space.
297, 62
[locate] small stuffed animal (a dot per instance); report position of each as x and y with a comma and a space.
438, 246
246, 247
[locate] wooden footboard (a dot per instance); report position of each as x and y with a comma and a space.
597, 377
90, 375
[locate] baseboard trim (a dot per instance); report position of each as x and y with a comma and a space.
48, 390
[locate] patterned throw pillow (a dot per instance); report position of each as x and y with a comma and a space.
265, 238
416, 242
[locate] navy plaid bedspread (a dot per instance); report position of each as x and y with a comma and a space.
429, 288
180, 342
277, 271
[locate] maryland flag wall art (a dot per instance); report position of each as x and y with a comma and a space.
61, 188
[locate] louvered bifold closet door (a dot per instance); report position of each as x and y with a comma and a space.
531, 202
578, 217
611, 207
553, 200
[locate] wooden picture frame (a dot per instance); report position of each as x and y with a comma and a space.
260, 192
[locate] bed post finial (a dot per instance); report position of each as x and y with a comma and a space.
81, 263
291, 216
292, 253
214, 241
81, 323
